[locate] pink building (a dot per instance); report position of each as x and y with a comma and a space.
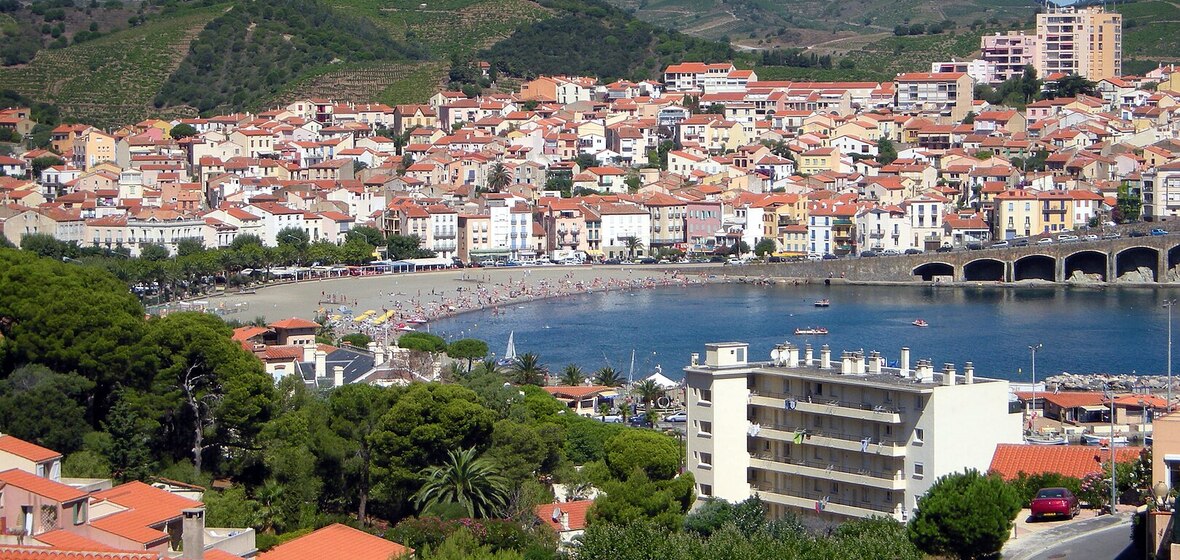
701, 224
1010, 53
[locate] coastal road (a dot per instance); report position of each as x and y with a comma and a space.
1099, 538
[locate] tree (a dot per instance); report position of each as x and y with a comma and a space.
469, 349
465, 479
190, 246
368, 234
293, 237
182, 130
640, 499
632, 243
498, 178
608, 376
42, 406
422, 342
647, 391
656, 454
356, 410
748, 516
153, 252
524, 450
765, 246
965, 515
1071, 86
323, 252
572, 375
1128, 204
886, 153
528, 370
44, 162
127, 450
401, 247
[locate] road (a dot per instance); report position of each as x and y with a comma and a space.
1111, 543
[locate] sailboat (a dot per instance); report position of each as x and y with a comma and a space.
509, 353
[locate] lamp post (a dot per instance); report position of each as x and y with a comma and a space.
1108, 392
1033, 414
1169, 304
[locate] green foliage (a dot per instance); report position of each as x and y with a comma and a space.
182, 130
229, 508
355, 412
1026, 485
965, 515
85, 464
245, 56
469, 349
127, 451
656, 454
359, 340
406, 247
422, 342
1070, 86
639, 499
462, 545
765, 246
41, 406
1129, 204
608, 376
523, 451
465, 479
586, 439
748, 516
367, 234
527, 369
886, 152
293, 237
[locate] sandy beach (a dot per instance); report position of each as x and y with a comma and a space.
431, 295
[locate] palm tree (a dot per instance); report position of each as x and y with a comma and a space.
608, 376
632, 243
528, 370
467, 480
647, 391
487, 367
572, 375
269, 514
498, 178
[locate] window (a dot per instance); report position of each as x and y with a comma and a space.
818, 485
919, 470
80, 513
919, 434
706, 460
835, 488
706, 396
705, 428
706, 489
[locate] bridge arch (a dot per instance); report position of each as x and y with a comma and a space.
1087, 262
928, 271
1035, 267
1134, 258
1173, 261
984, 270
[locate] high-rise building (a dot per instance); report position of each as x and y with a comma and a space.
1008, 54
1087, 42
839, 438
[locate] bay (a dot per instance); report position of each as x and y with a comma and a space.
1082, 330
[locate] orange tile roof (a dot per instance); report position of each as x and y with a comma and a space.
248, 332
1076, 461
337, 541
576, 511
26, 450
294, 323
65, 540
38, 553
41, 486
146, 506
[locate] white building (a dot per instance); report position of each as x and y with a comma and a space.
836, 437
883, 227
620, 222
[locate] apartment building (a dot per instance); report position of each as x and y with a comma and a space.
948, 94
1086, 41
1161, 192
836, 437
1008, 54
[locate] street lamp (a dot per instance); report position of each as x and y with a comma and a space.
1033, 414
1108, 392
1169, 304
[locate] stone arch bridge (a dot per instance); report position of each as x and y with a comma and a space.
1146, 259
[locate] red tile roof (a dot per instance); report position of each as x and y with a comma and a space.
248, 332
576, 392
294, 323
576, 511
1076, 461
337, 541
146, 506
65, 540
26, 450
41, 486
37, 553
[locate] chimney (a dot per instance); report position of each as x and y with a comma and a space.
372, 347
565, 521
792, 355
338, 376
308, 352
925, 371
968, 373
825, 357
847, 363
321, 363
858, 362
948, 373
808, 357
379, 355
696, 359
875, 362
192, 530
905, 361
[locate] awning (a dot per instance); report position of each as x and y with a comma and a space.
1094, 408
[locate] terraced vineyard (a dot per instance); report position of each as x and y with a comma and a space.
1149, 31
110, 81
385, 82
448, 26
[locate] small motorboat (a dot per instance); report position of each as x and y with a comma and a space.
811, 331
1104, 441
823, 303
1046, 440
920, 323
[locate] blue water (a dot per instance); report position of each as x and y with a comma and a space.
1082, 330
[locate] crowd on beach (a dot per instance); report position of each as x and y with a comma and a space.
478, 291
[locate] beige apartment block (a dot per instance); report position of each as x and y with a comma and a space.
837, 436
1086, 41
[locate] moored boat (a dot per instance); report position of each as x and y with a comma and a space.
920, 323
811, 331
1046, 440
1093, 439
823, 303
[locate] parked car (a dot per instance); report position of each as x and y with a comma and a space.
677, 417
776, 259
717, 259
611, 418
1159, 231
1112, 235
1137, 233
814, 256
639, 421
612, 261
890, 252
1068, 238
868, 254
913, 251
1054, 502
974, 246
1045, 241
1090, 237
1022, 242
648, 260
945, 249
830, 257
1002, 243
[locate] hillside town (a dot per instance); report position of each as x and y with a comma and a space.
709, 161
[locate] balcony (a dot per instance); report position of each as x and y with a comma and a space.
830, 406
834, 440
886, 480
876, 234
835, 505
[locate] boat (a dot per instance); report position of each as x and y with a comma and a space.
509, 352
1092, 439
811, 331
823, 303
1046, 440
920, 323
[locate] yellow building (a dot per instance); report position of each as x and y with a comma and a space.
1087, 42
1018, 214
97, 148
1056, 211
819, 160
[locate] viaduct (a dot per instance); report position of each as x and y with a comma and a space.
1132, 259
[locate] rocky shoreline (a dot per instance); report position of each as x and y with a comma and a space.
1120, 383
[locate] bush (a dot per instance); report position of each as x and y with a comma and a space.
1026, 485
965, 515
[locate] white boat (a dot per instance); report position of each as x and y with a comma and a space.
1046, 440
1092, 439
920, 323
811, 331
823, 303
509, 353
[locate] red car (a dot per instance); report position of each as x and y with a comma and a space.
1054, 502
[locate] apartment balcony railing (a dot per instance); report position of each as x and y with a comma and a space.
830, 470
886, 447
820, 404
834, 504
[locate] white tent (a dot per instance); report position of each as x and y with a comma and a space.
662, 381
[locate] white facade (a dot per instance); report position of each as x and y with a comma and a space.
837, 437
162, 232
618, 225
880, 228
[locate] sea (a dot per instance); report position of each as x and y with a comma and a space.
1080, 330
